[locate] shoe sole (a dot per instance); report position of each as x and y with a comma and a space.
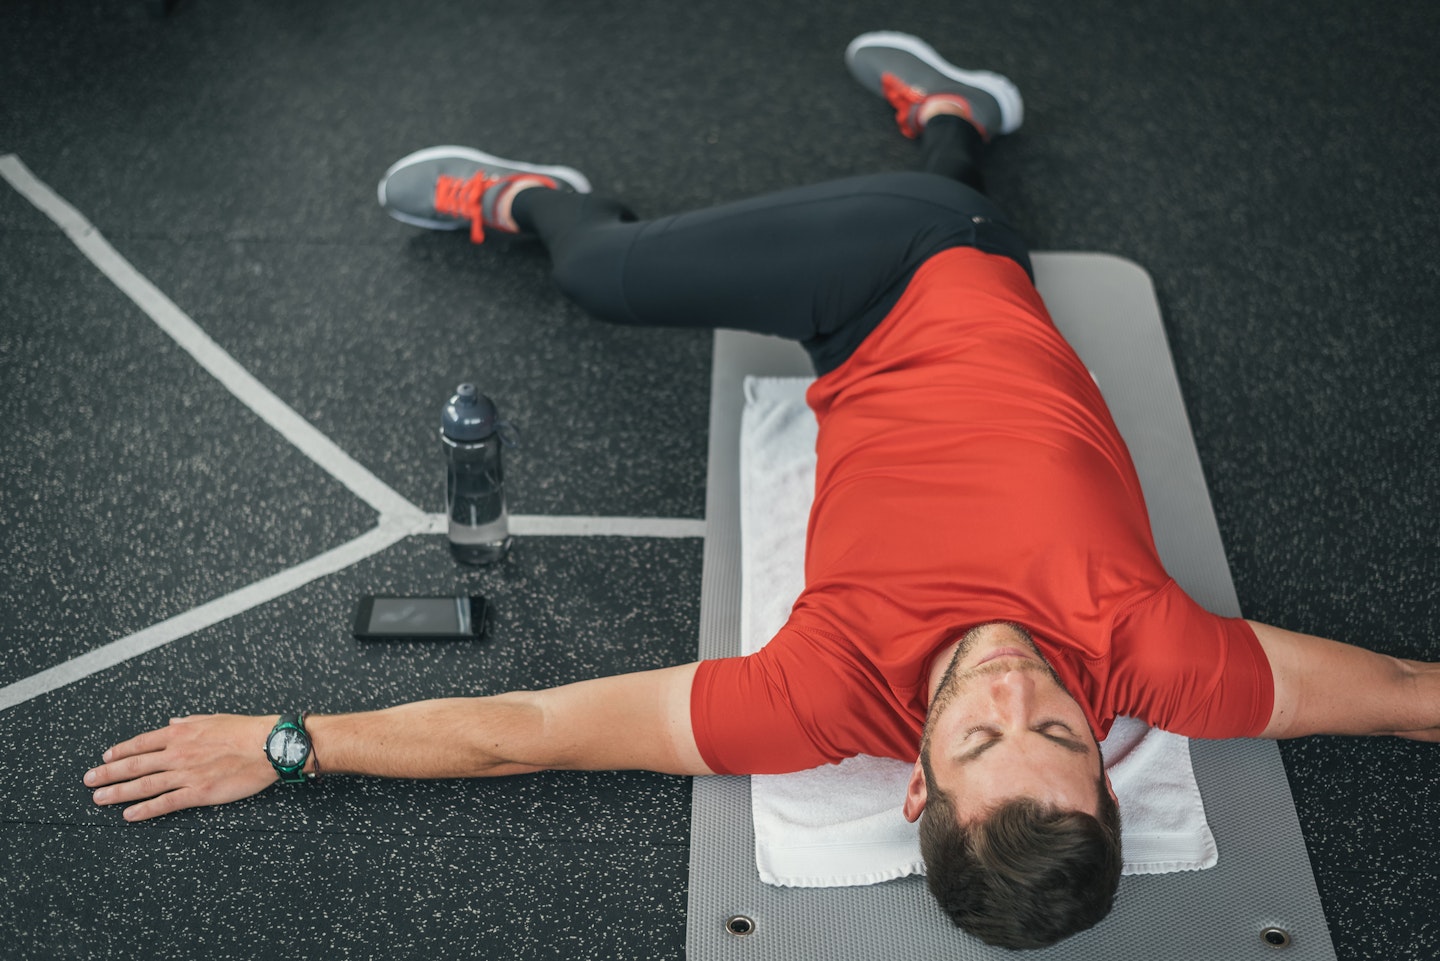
568, 175
1006, 94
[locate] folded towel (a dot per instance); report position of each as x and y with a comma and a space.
841, 824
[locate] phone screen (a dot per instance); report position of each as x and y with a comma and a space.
412, 616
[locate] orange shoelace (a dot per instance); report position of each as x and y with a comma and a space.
907, 100
465, 197
456, 197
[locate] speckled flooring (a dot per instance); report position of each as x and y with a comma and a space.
1272, 168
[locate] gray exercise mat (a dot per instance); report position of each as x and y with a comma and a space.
1106, 307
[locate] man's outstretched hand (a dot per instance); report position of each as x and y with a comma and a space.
192, 762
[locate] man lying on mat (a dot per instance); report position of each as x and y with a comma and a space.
983, 596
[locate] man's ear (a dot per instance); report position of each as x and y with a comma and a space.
1110, 788
915, 794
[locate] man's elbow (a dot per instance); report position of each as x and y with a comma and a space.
507, 736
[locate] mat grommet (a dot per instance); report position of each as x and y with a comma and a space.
1275, 937
740, 926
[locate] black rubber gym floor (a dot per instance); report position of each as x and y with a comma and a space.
1271, 166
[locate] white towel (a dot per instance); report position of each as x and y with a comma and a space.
841, 824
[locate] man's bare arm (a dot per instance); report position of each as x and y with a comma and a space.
1326, 687
635, 721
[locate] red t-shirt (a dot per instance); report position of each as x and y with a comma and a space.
968, 471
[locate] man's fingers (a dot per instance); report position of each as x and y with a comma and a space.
154, 753
136, 745
145, 743
128, 769
167, 803
163, 791
139, 788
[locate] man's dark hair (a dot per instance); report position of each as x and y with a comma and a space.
1025, 875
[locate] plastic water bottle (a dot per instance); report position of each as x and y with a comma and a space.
473, 435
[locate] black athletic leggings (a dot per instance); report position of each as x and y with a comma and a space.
822, 264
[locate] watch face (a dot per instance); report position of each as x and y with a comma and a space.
287, 747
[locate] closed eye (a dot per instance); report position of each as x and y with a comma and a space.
1057, 732
1068, 739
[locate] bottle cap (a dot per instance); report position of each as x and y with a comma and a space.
469, 416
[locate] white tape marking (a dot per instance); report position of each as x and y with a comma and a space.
530, 525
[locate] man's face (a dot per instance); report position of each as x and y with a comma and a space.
1001, 726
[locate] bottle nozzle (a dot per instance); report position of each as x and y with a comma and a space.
469, 416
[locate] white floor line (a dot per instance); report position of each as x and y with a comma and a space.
210, 355
530, 525
206, 615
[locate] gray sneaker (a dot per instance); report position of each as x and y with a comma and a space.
447, 188
905, 70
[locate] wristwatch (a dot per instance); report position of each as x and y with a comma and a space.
288, 748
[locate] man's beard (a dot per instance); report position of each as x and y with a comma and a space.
953, 679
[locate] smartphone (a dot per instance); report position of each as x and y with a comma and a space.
381, 617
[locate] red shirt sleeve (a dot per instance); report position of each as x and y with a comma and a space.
1181, 668
743, 716
799, 702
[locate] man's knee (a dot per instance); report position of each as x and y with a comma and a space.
589, 269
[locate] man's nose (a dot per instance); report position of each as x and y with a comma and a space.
1013, 692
